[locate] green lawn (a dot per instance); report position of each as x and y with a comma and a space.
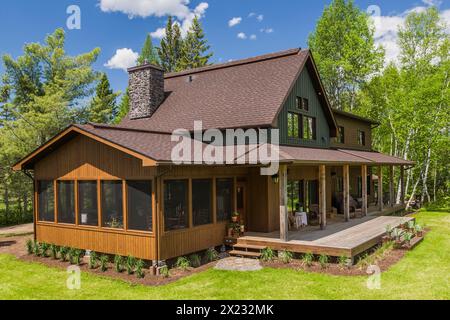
422, 274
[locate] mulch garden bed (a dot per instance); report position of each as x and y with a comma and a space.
148, 280
389, 259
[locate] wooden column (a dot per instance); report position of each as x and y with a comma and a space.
380, 188
346, 198
364, 189
284, 219
402, 184
322, 197
391, 186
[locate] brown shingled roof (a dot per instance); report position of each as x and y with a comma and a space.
240, 94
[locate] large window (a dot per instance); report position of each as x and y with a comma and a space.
112, 204
46, 201
224, 198
309, 128
293, 125
341, 135
87, 203
361, 138
139, 196
201, 201
66, 202
175, 204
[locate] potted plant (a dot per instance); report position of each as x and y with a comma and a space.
230, 230
397, 235
236, 229
242, 228
235, 217
419, 230
407, 237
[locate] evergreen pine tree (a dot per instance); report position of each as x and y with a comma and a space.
124, 107
148, 53
194, 50
170, 47
103, 107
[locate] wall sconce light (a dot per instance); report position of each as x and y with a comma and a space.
276, 178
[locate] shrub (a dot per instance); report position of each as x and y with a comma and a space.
211, 255
285, 256
408, 236
323, 260
411, 224
342, 261
267, 254
308, 259
139, 269
30, 246
93, 260
118, 263
130, 264
54, 249
44, 249
77, 256
71, 254
63, 253
164, 271
36, 249
183, 263
195, 260
104, 262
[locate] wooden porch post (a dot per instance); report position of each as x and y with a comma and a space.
391, 186
402, 185
322, 196
284, 219
380, 188
346, 177
364, 189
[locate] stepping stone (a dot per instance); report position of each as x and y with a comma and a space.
238, 264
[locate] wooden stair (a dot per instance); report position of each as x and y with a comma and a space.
247, 251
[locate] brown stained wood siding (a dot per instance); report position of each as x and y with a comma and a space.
86, 159
351, 127
142, 246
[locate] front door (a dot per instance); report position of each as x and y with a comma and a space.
241, 201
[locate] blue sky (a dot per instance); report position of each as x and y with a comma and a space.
265, 25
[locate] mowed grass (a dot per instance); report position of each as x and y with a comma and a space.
422, 274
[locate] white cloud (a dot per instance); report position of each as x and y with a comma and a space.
147, 8
266, 30
253, 37
435, 3
251, 14
386, 28
260, 17
242, 36
157, 8
158, 33
123, 59
234, 22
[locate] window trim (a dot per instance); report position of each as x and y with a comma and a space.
188, 204
299, 125
302, 103
56, 192
361, 138
152, 184
213, 198
314, 128
38, 201
341, 134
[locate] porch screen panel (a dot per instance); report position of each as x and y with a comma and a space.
46, 198
66, 202
175, 204
224, 199
112, 204
87, 203
202, 201
139, 198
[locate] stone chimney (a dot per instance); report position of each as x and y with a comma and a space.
146, 89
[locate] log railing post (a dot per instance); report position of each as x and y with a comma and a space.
284, 219
380, 189
346, 178
322, 197
364, 189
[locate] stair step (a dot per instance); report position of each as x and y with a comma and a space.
249, 246
245, 253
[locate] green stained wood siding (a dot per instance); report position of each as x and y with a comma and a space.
304, 88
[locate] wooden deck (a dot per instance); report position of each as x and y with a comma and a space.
339, 239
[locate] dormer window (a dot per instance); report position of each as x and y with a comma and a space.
302, 104
341, 135
361, 138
